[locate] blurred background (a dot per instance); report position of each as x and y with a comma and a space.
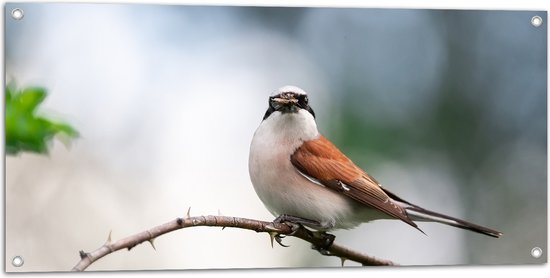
446, 108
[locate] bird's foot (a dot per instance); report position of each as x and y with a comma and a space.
326, 241
295, 223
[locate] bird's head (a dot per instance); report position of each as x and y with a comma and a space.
288, 99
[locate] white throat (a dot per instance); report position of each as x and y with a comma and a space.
288, 130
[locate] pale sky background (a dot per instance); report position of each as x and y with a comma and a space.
154, 89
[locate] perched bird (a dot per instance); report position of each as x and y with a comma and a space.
302, 178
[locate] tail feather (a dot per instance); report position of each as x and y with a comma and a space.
420, 214
417, 213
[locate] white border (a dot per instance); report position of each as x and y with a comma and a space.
401, 4
439, 271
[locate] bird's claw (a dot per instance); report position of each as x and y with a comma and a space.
279, 239
294, 228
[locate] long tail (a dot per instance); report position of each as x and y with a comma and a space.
417, 213
420, 214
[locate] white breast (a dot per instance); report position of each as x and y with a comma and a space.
279, 185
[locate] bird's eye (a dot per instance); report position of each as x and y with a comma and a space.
302, 101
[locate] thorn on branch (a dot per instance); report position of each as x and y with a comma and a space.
82, 254
152, 243
343, 260
189, 213
272, 237
109, 238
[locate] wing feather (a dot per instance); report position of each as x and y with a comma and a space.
321, 160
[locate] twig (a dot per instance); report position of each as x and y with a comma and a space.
273, 229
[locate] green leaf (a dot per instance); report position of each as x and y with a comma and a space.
24, 130
30, 98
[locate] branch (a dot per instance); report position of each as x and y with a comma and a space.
273, 229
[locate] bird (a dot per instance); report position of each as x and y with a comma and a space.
303, 178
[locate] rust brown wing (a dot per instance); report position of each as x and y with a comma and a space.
321, 160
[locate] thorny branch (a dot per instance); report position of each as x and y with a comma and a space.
273, 229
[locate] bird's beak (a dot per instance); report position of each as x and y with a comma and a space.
285, 101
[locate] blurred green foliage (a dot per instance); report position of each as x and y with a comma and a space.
25, 131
